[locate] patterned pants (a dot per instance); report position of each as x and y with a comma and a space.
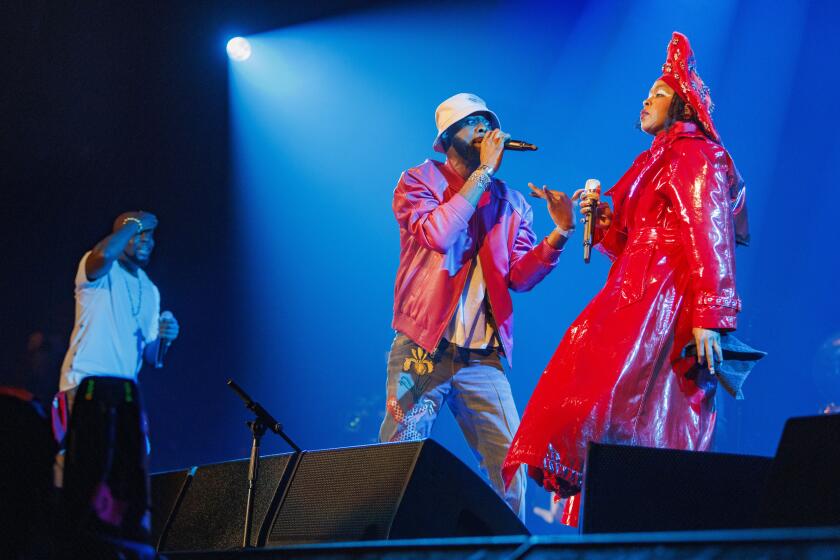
474, 385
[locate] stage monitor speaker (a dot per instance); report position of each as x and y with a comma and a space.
388, 491
167, 490
211, 512
804, 484
631, 489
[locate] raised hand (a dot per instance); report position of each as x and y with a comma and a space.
492, 148
146, 220
559, 206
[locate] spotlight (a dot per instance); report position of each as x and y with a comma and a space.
239, 48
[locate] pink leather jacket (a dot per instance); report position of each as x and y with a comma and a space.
440, 232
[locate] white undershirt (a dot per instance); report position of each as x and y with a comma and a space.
471, 325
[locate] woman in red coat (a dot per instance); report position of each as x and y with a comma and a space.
619, 375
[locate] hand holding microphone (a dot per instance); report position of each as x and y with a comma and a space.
597, 214
492, 149
519, 146
495, 143
590, 197
168, 330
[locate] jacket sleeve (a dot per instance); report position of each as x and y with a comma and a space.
612, 242
530, 263
699, 193
434, 224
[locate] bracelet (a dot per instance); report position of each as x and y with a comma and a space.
567, 233
487, 169
481, 178
136, 221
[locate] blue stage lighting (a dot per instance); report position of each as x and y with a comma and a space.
239, 49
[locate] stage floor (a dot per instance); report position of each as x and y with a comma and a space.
813, 543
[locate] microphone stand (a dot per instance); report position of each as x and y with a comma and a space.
261, 422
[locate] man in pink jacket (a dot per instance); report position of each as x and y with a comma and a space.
466, 239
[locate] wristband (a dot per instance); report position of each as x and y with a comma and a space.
136, 221
567, 233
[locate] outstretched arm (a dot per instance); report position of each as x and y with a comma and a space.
530, 263
560, 209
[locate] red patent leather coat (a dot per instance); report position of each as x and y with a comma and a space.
617, 375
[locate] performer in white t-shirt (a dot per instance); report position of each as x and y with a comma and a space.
118, 319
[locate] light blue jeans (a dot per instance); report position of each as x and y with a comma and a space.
474, 385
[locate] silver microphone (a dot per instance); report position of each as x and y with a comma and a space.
163, 343
589, 225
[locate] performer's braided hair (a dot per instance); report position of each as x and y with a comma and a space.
676, 112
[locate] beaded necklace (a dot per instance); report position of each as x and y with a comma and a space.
135, 313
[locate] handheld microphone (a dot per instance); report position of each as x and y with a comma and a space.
163, 343
519, 146
589, 225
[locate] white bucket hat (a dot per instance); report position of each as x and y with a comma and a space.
456, 108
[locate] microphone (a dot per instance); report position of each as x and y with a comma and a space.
589, 225
519, 146
163, 343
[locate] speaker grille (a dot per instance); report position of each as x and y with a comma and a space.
212, 513
345, 494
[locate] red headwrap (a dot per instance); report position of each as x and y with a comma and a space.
680, 72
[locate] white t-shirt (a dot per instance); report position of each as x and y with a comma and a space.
471, 326
116, 317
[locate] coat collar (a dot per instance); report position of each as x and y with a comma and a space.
679, 129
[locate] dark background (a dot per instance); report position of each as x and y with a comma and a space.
111, 106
